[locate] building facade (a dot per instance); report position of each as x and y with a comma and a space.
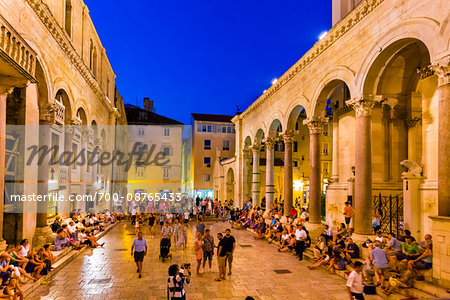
380, 80
150, 133
55, 74
213, 139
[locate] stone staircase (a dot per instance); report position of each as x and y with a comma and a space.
63, 257
420, 290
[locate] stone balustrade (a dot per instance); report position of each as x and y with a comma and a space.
15, 50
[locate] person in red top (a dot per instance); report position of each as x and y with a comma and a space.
348, 213
293, 213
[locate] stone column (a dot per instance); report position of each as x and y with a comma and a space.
42, 232
288, 184
246, 188
3, 97
315, 190
363, 164
256, 175
442, 70
335, 171
270, 159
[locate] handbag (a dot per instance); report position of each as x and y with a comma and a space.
370, 290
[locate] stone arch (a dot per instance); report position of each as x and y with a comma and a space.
259, 137
294, 114
337, 78
62, 97
392, 62
247, 142
275, 128
81, 114
298, 105
43, 87
230, 183
423, 29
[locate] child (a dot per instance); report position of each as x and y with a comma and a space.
137, 225
13, 289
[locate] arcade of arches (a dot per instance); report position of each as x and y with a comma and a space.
361, 120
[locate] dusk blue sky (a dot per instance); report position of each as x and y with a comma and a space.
204, 56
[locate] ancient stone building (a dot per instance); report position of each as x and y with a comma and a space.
380, 80
53, 71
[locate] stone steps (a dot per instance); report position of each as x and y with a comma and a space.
421, 289
63, 257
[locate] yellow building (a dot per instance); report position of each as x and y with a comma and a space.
153, 135
213, 138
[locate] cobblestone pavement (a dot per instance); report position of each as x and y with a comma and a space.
110, 273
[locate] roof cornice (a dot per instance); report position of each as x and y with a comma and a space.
335, 33
45, 15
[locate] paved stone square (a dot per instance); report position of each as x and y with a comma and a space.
110, 273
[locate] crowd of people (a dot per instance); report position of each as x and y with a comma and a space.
21, 264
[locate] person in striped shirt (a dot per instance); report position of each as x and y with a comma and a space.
176, 282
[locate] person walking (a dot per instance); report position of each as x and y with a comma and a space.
355, 282
229, 245
208, 248
200, 227
221, 257
198, 251
139, 250
348, 213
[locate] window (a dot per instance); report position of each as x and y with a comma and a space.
303, 137
140, 172
207, 162
207, 145
325, 148
207, 178
141, 131
166, 151
325, 168
74, 155
201, 128
166, 131
93, 58
229, 129
224, 129
166, 172
209, 128
142, 116
295, 146
226, 146
295, 163
68, 18
325, 129
296, 125
107, 87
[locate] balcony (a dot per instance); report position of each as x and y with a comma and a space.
18, 60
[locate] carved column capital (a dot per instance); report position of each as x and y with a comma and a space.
288, 136
315, 124
47, 113
413, 122
364, 106
75, 122
255, 147
442, 69
270, 143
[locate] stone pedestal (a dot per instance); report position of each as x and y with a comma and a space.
412, 206
288, 184
441, 250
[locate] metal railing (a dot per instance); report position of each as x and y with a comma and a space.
391, 208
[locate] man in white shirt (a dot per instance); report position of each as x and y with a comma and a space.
72, 230
355, 283
300, 237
